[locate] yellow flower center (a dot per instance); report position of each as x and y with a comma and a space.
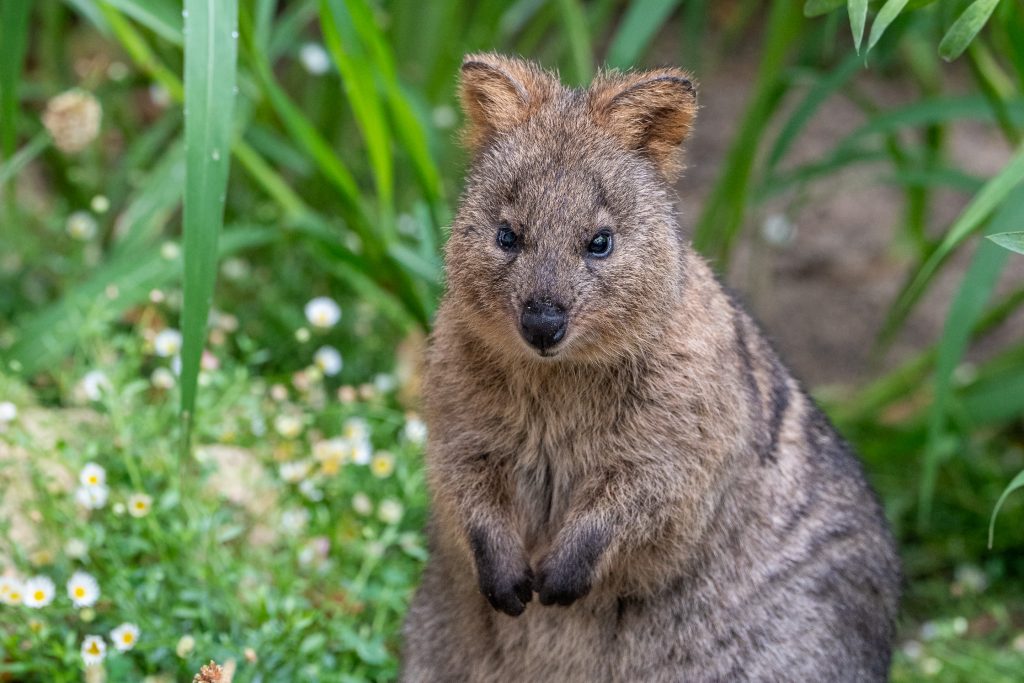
39, 595
140, 505
79, 592
127, 638
93, 480
93, 648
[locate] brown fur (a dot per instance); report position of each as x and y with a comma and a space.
681, 508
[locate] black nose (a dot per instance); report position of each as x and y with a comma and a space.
543, 323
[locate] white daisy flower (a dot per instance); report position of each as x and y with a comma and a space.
362, 452
167, 343
92, 475
162, 378
362, 504
314, 58
11, 590
94, 649
328, 359
81, 226
323, 312
295, 471
331, 454
415, 430
309, 489
92, 497
95, 384
76, 548
356, 429
390, 511
124, 637
288, 426
38, 592
294, 520
382, 464
186, 644
8, 412
83, 589
139, 504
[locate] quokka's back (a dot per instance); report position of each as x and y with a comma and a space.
610, 431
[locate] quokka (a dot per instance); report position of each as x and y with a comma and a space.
609, 429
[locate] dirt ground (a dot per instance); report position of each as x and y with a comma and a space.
824, 295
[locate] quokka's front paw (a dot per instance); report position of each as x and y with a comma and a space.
505, 579
563, 581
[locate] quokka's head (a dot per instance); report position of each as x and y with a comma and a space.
565, 245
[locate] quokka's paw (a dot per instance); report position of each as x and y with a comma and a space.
504, 575
508, 591
563, 581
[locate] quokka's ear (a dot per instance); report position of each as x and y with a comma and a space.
498, 93
651, 112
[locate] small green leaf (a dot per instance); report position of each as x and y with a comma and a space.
858, 10
1014, 241
890, 10
1018, 482
815, 8
963, 30
641, 21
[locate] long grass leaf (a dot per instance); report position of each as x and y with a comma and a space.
1016, 483
47, 335
163, 17
14, 38
722, 218
578, 35
211, 51
966, 309
890, 10
815, 8
358, 81
972, 218
802, 115
963, 30
23, 157
858, 11
641, 21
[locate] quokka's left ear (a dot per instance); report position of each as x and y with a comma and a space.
651, 112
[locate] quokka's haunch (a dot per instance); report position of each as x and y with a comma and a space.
610, 430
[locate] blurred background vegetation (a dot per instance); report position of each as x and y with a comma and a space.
850, 159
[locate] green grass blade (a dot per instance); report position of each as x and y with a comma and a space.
578, 35
722, 218
162, 17
802, 115
361, 90
966, 309
48, 335
211, 50
965, 28
1014, 241
972, 218
14, 38
890, 10
638, 26
1016, 483
815, 8
23, 157
858, 11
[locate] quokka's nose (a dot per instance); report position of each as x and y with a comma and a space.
543, 323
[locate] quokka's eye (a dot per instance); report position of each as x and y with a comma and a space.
507, 238
601, 244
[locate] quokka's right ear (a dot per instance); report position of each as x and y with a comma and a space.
499, 93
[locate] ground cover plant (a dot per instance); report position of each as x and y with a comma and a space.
219, 254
